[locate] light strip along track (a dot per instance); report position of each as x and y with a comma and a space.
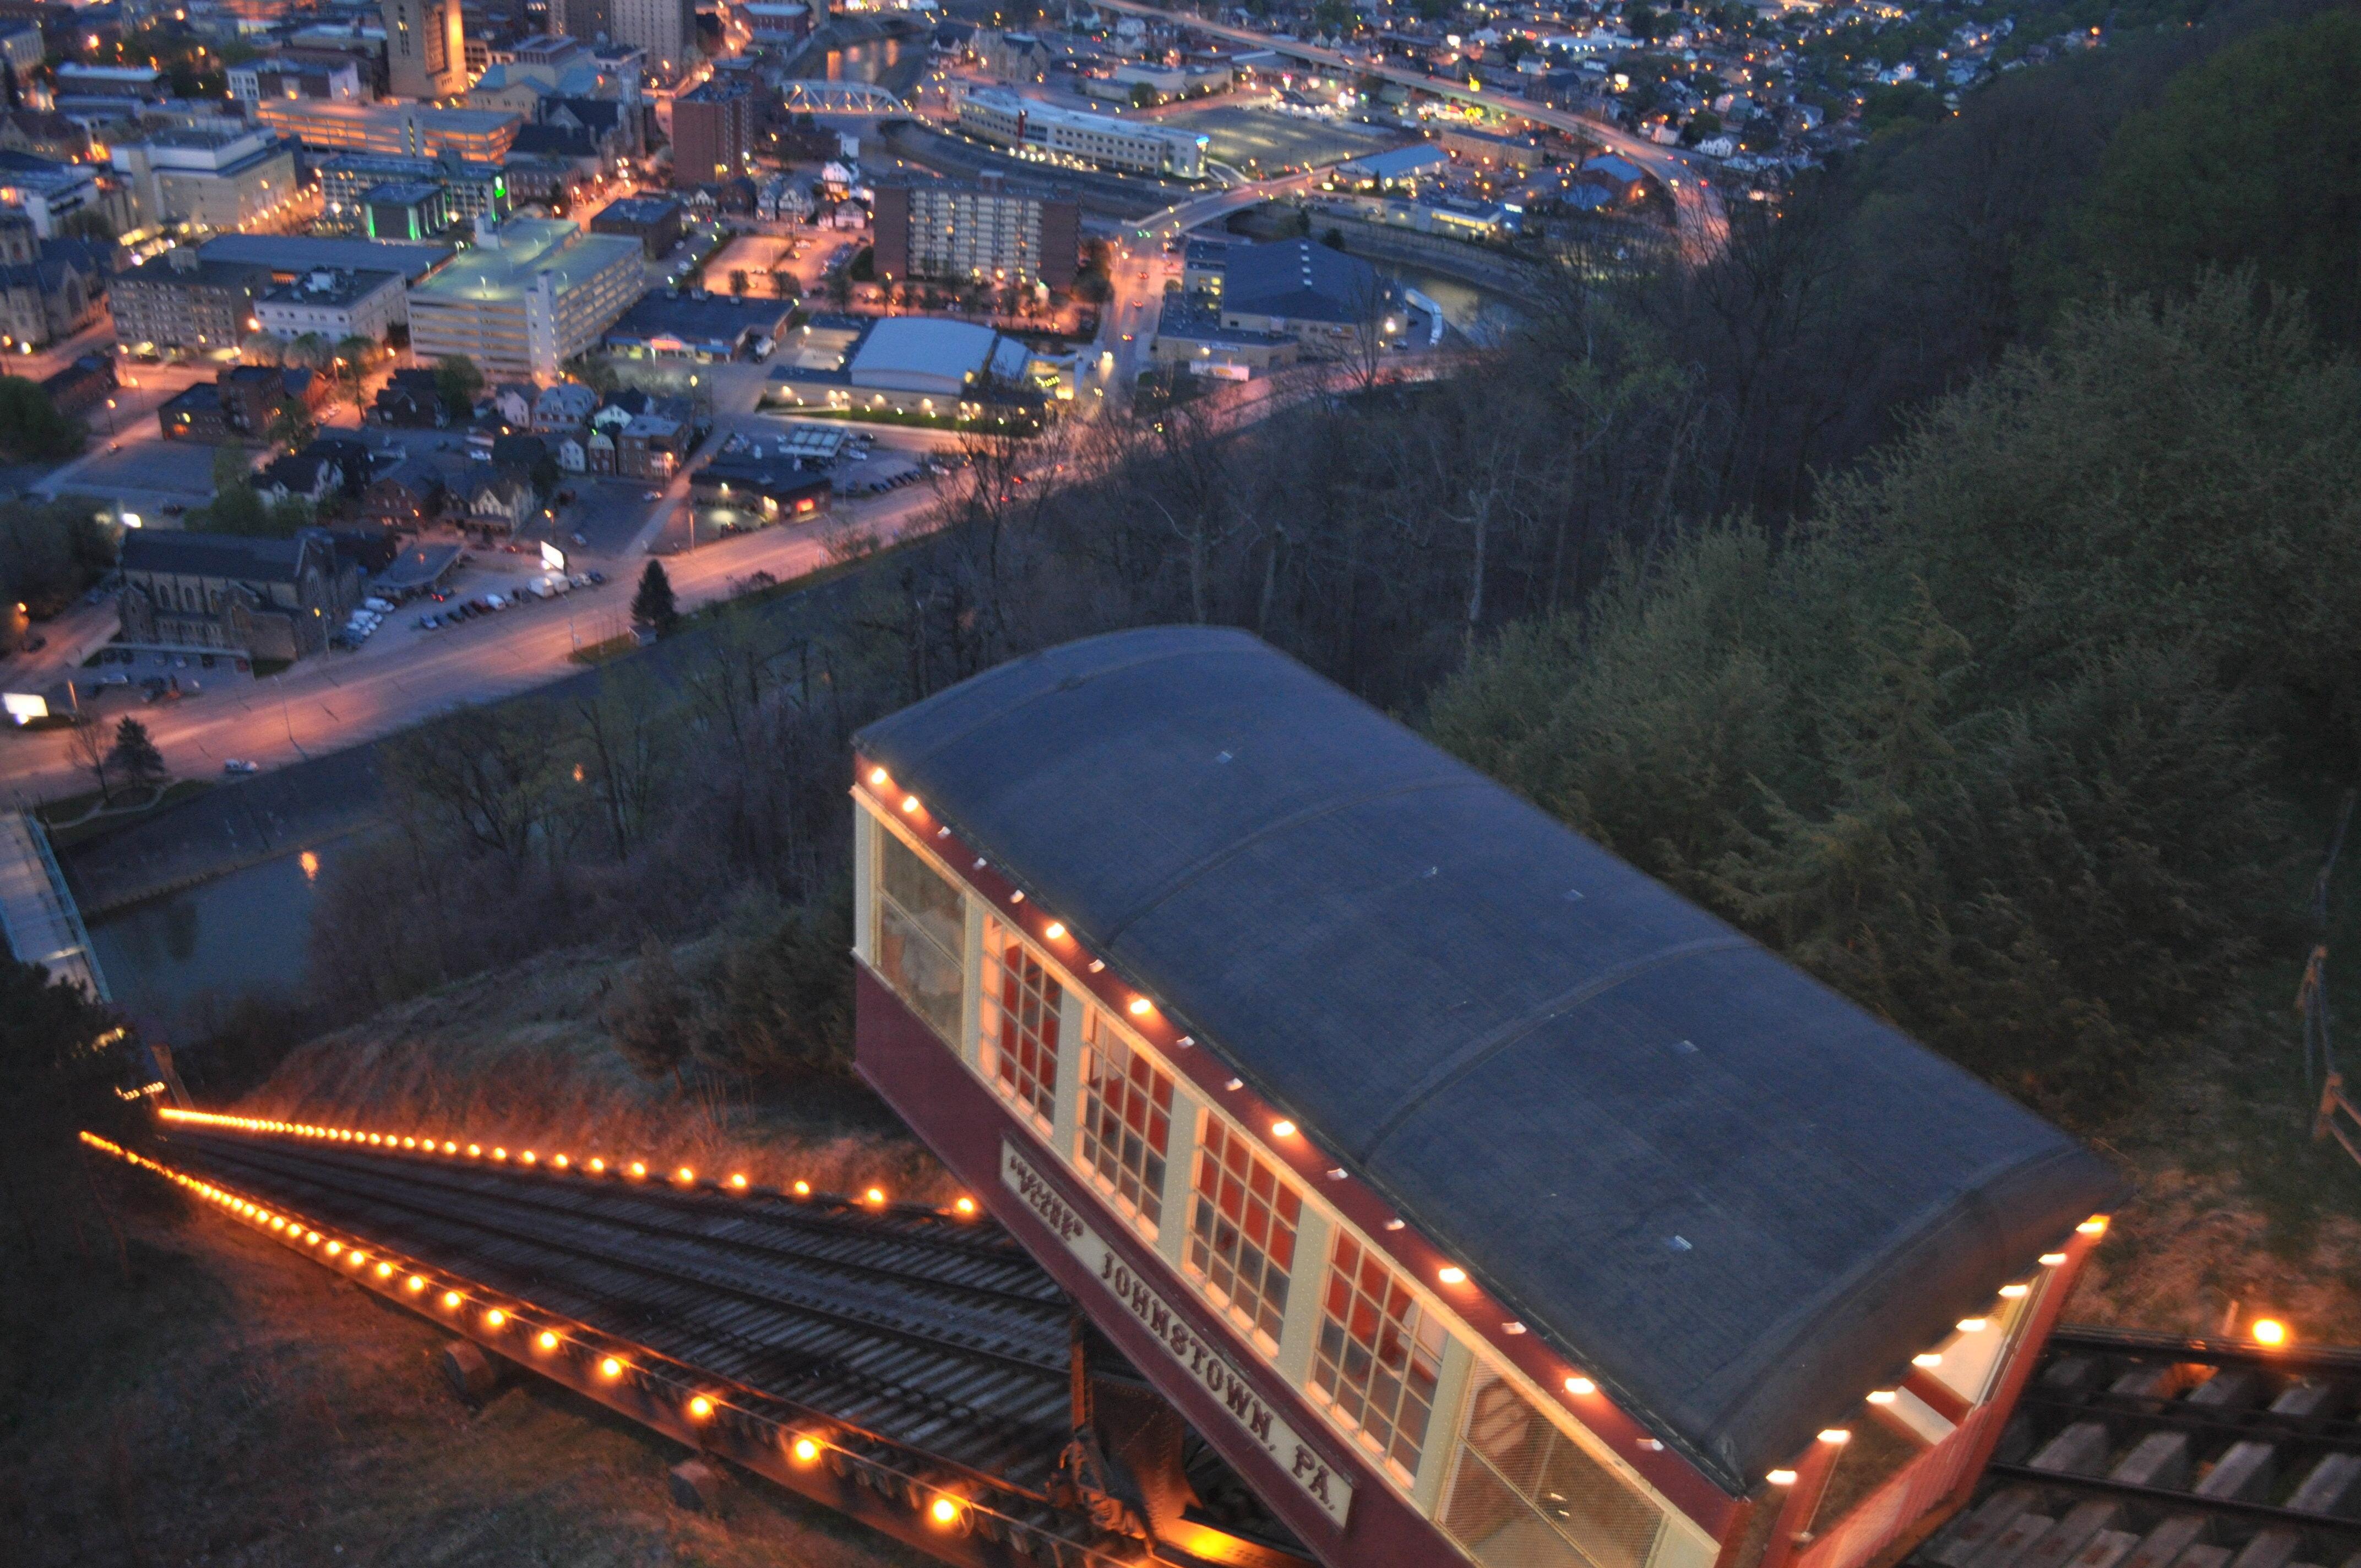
945, 1444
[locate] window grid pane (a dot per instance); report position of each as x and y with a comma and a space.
1019, 1023
1526, 1495
1242, 1233
1126, 1122
1378, 1357
920, 926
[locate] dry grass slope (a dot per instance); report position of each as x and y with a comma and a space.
521, 1057
246, 1407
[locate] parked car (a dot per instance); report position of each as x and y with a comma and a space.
240, 765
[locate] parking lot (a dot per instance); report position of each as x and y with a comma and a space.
498, 581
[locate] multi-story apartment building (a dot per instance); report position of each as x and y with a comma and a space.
665, 30
531, 295
713, 133
401, 128
227, 177
184, 304
990, 231
585, 20
996, 115
425, 49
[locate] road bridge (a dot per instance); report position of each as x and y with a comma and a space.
815, 96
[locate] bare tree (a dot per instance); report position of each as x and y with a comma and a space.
90, 746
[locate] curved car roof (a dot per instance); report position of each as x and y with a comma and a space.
1737, 1199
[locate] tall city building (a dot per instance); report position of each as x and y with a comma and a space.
987, 232
664, 30
713, 134
588, 20
425, 49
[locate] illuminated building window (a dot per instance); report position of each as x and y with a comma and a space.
1126, 1122
921, 930
1378, 1357
1524, 1496
1242, 1233
1018, 1024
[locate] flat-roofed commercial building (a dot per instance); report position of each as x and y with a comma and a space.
408, 129
289, 257
531, 295
654, 221
227, 177
405, 209
909, 365
713, 133
336, 305
987, 231
996, 115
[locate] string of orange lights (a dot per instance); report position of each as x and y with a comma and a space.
684, 1176
675, 1394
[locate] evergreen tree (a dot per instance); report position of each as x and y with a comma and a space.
651, 1021
652, 606
135, 755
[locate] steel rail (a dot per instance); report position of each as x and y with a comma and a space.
2175, 1500
920, 1390
2150, 1345
2161, 1413
884, 1480
481, 1213
558, 1194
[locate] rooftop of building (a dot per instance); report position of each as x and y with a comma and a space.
716, 319
403, 193
292, 254
1739, 1202
250, 560
526, 248
1298, 279
1008, 102
330, 287
640, 210
933, 348
453, 122
1397, 163
1179, 318
210, 271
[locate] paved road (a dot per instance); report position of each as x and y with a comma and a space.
1127, 325
1702, 221
341, 699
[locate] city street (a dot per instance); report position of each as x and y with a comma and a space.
337, 700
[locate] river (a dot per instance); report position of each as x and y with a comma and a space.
869, 60
1474, 313
177, 960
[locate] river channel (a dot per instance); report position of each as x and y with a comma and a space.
177, 961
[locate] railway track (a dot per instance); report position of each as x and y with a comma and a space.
909, 1366
2139, 1450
